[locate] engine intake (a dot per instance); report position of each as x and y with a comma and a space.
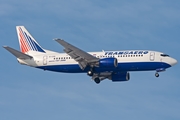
108, 62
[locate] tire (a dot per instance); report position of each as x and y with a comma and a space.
157, 74
97, 80
90, 73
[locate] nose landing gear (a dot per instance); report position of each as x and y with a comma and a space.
157, 74
159, 70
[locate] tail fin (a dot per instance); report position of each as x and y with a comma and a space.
26, 41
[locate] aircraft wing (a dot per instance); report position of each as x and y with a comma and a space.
82, 57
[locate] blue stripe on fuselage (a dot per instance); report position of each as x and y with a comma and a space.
129, 66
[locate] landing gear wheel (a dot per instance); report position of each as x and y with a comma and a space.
97, 80
90, 73
157, 74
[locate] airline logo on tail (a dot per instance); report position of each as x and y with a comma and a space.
26, 41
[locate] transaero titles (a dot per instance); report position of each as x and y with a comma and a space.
125, 52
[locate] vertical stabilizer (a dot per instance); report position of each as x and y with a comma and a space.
26, 41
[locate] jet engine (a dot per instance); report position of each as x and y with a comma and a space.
120, 76
108, 62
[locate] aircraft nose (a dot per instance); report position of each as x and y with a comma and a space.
173, 61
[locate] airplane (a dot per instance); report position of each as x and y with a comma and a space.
112, 65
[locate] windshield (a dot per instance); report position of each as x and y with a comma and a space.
164, 55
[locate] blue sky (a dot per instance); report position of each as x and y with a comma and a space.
27, 93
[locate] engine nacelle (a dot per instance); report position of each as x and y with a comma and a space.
120, 76
108, 62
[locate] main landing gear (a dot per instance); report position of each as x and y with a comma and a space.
90, 73
157, 74
97, 80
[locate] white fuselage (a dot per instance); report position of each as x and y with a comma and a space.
113, 65
131, 60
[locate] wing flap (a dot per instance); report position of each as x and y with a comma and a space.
82, 57
17, 54
70, 48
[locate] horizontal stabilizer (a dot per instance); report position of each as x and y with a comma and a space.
18, 54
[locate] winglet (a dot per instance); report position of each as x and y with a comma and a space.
17, 54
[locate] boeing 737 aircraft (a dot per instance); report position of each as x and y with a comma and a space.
113, 65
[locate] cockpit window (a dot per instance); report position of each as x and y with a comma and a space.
164, 55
